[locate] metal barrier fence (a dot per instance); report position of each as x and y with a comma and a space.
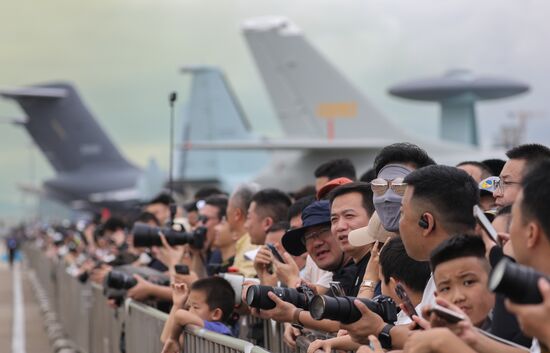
95, 327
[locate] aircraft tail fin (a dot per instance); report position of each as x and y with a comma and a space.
63, 128
213, 113
312, 98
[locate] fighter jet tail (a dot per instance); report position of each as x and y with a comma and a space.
213, 113
64, 129
312, 98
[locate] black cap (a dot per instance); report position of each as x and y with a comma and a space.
316, 214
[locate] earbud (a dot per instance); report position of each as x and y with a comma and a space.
423, 223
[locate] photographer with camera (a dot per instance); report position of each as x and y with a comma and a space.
530, 237
316, 238
437, 203
398, 273
529, 234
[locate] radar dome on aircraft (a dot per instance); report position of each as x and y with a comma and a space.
457, 91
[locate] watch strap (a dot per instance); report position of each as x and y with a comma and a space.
384, 336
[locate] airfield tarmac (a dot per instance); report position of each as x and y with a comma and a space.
21, 329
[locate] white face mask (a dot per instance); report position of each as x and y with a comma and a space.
387, 205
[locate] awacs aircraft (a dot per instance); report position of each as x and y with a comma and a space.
322, 114
89, 168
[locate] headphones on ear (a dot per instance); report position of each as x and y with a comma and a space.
423, 222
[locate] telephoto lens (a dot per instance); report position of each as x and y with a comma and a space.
256, 297
146, 236
119, 280
343, 310
516, 282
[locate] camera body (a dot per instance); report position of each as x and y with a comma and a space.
516, 282
343, 310
122, 277
300, 297
147, 236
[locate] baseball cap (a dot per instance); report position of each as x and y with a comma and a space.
330, 185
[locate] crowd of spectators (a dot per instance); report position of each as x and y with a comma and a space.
393, 261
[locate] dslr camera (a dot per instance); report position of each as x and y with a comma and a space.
256, 296
118, 281
343, 310
122, 277
516, 282
147, 236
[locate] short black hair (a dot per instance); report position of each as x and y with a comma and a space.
308, 190
402, 152
532, 152
450, 192
218, 201
536, 193
162, 198
459, 246
336, 168
363, 188
113, 224
485, 171
394, 262
299, 205
368, 176
146, 217
272, 203
284, 225
495, 165
219, 294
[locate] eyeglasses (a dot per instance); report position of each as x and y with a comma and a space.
320, 234
494, 183
379, 186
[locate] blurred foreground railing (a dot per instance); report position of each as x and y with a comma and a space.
95, 327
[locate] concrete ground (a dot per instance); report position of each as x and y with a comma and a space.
35, 339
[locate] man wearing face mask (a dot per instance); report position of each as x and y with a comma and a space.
392, 165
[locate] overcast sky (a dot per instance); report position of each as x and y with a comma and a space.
124, 55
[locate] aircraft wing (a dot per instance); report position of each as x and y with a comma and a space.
289, 145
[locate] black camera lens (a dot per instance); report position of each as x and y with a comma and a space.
119, 280
256, 297
146, 236
343, 309
516, 282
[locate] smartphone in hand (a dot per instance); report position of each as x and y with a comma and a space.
448, 315
275, 253
402, 294
484, 222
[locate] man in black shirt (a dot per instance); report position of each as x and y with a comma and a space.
351, 208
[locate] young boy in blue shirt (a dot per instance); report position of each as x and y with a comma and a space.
208, 304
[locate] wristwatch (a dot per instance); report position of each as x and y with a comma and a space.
296, 319
384, 336
369, 284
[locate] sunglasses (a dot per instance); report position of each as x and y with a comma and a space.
379, 186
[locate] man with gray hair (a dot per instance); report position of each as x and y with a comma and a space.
237, 210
